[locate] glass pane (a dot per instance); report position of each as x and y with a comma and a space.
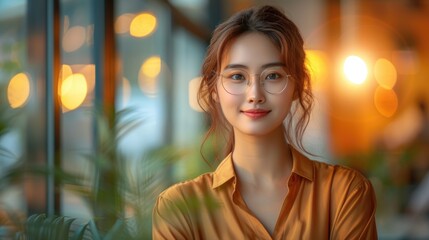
142, 31
158, 63
158, 60
22, 139
77, 93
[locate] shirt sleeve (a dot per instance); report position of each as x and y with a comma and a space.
169, 221
356, 215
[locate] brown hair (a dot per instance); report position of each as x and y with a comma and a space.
285, 35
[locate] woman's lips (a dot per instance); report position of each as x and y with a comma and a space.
256, 113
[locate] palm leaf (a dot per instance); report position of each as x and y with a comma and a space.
80, 232
40, 227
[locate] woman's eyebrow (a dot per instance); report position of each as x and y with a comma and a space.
267, 65
274, 64
229, 66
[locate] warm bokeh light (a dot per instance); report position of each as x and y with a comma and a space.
385, 101
194, 85
18, 90
152, 67
73, 91
316, 64
385, 73
123, 22
65, 71
148, 86
74, 38
126, 91
355, 69
148, 75
142, 25
88, 71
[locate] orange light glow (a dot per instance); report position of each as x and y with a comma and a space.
73, 91
123, 22
142, 25
385, 73
65, 71
18, 90
385, 101
355, 69
74, 38
316, 64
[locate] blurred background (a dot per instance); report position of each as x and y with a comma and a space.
75, 73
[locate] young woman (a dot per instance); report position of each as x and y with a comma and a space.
256, 89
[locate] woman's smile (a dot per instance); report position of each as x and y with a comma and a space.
256, 113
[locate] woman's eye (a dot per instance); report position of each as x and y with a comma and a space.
237, 77
272, 76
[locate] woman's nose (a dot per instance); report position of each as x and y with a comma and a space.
255, 91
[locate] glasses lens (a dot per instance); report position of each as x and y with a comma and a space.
235, 81
273, 80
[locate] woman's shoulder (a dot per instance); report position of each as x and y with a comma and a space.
340, 176
326, 173
187, 188
204, 185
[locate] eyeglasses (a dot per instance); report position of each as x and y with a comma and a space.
237, 81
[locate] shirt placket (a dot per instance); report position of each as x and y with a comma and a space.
282, 221
254, 225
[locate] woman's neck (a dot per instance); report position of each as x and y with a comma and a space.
262, 158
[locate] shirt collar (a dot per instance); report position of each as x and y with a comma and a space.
302, 166
224, 172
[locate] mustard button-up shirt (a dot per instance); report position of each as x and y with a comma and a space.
323, 202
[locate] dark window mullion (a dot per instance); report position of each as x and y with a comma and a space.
107, 201
53, 108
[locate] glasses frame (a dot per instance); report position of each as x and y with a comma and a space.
250, 82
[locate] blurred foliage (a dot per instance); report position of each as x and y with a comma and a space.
390, 175
12, 54
120, 193
40, 227
8, 119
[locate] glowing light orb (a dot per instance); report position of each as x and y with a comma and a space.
74, 38
143, 25
123, 22
148, 75
385, 73
73, 91
385, 101
355, 69
18, 90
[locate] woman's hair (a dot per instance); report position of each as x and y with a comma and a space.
286, 37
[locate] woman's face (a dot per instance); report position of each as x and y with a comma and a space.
253, 111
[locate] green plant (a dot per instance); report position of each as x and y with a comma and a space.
133, 188
41, 227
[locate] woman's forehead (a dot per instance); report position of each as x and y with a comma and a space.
251, 49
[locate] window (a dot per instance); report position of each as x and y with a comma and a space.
53, 58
